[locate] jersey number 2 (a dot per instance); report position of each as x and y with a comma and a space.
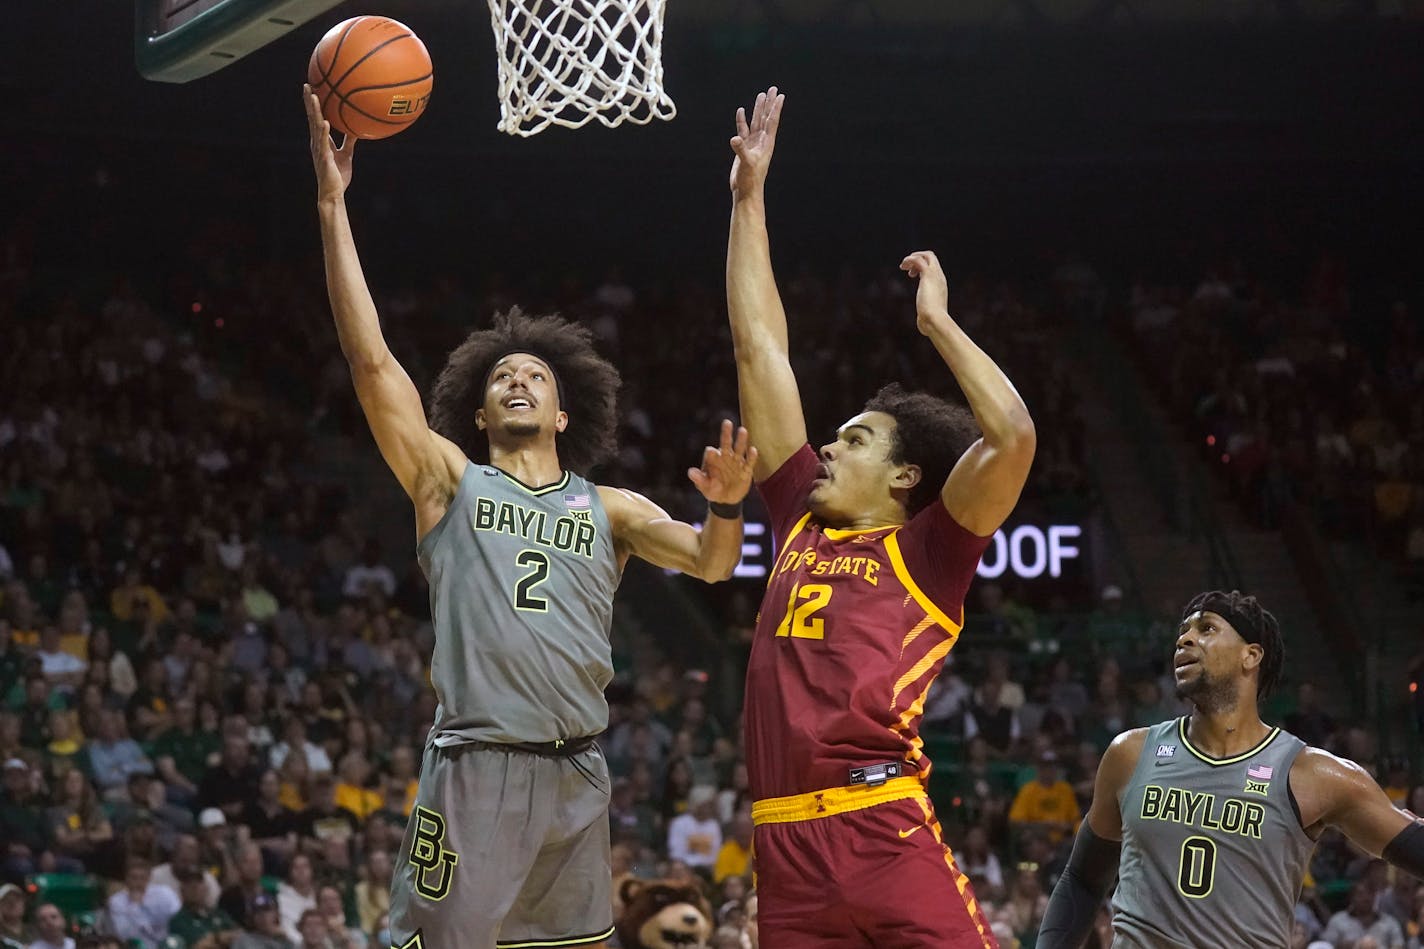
800, 621
1197, 871
524, 598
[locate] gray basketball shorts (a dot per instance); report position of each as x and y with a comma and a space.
504, 850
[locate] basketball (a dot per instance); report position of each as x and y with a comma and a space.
372, 75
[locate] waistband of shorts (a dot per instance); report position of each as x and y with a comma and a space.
559, 748
816, 804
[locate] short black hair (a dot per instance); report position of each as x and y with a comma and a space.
1253, 623
930, 433
587, 383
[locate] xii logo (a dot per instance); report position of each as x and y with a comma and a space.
434, 864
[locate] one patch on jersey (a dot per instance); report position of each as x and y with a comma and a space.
1257, 787
1166, 751
575, 501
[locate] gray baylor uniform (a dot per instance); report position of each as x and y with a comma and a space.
1213, 854
508, 847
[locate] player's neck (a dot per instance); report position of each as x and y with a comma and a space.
534, 465
890, 515
1223, 733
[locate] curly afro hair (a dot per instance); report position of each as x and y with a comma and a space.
1253, 623
587, 383
930, 433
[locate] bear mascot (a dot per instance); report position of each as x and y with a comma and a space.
658, 914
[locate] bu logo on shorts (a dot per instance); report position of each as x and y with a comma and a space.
434, 864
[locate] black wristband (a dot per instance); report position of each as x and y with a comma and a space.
1406, 850
730, 512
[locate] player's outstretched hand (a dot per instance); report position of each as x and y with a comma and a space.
333, 165
932, 295
726, 473
755, 141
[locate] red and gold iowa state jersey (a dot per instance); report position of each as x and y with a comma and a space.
852, 631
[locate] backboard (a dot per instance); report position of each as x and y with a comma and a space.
180, 40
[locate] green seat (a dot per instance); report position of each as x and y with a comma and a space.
73, 893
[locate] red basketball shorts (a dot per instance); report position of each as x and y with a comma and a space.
861, 868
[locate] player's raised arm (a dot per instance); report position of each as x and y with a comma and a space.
427, 465
1092, 867
643, 529
1341, 794
984, 486
771, 404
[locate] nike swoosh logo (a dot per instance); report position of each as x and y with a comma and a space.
1158, 764
906, 833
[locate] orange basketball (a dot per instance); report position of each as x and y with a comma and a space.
372, 76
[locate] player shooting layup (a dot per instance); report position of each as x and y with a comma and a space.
878, 537
1214, 816
508, 842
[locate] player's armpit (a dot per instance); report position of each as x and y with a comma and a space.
986, 482
427, 465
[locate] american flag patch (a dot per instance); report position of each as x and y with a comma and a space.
1260, 772
574, 501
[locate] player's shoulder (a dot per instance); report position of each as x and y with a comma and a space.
1120, 758
1328, 771
1127, 744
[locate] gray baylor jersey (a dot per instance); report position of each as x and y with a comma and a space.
1213, 854
521, 593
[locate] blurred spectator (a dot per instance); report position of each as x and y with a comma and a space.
373, 892
1309, 722
978, 862
264, 931
695, 837
50, 929
79, 825
182, 751
948, 699
344, 935
184, 861
241, 896
351, 790
140, 911
313, 931
23, 828
324, 819
199, 923
232, 782
734, 859
14, 932
370, 575
113, 756
296, 895
1359, 920
1047, 803
1026, 903
995, 722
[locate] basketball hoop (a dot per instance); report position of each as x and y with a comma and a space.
567, 62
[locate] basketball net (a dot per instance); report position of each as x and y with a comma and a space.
567, 62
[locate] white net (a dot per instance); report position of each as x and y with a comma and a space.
567, 62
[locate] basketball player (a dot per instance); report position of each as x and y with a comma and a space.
508, 842
878, 536
1214, 816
